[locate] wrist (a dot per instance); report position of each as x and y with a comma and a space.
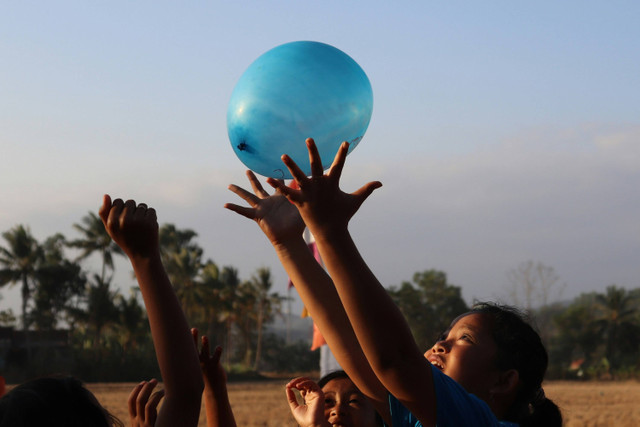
143, 260
289, 245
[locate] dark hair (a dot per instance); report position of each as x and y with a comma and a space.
520, 348
53, 401
332, 376
340, 375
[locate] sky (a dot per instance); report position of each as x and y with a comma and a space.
503, 132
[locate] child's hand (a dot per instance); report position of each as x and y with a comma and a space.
142, 409
311, 412
321, 203
275, 215
212, 371
133, 227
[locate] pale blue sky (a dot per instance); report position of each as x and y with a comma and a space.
502, 131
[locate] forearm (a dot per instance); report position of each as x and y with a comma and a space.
318, 293
380, 327
218, 408
175, 351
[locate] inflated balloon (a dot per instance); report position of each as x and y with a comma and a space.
296, 91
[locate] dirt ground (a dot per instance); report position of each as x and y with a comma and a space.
591, 404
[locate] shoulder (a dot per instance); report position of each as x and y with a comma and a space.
455, 407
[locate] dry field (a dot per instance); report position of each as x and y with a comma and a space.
264, 404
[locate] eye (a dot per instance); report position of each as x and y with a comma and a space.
329, 402
466, 337
354, 401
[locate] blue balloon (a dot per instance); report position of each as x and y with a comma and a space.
296, 91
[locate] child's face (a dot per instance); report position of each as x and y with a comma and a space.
344, 405
467, 353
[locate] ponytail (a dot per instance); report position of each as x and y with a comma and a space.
520, 348
541, 411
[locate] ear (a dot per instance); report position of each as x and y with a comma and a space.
506, 384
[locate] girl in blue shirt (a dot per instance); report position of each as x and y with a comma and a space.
487, 369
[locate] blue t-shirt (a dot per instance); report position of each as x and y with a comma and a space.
454, 407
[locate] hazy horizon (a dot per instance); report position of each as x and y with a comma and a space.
501, 132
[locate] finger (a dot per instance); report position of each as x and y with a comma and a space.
279, 185
127, 212
314, 158
257, 187
204, 351
143, 396
335, 171
140, 211
217, 353
105, 208
248, 197
282, 182
295, 171
365, 191
291, 398
113, 221
131, 401
194, 334
242, 210
291, 194
306, 385
296, 381
150, 411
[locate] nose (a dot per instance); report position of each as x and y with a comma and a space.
440, 347
338, 409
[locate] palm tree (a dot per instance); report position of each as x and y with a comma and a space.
101, 309
229, 302
182, 259
245, 311
131, 321
617, 314
56, 285
213, 302
267, 305
58, 281
20, 261
95, 239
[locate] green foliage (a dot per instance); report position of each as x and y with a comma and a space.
603, 330
429, 305
109, 338
95, 239
282, 357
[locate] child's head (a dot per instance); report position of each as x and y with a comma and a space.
53, 401
344, 403
494, 353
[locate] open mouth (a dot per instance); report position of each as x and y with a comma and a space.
435, 361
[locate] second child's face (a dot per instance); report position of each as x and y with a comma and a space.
467, 353
345, 406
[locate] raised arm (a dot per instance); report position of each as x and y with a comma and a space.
283, 226
216, 399
380, 327
135, 229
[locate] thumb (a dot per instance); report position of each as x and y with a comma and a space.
365, 191
105, 208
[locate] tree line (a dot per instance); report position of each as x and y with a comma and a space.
595, 335
108, 331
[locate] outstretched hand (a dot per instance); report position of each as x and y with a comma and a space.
133, 227
212, 371
320, 201
311, 412
143, 404
276, 216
